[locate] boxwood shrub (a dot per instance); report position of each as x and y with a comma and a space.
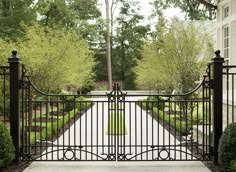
232, 166
227, 148
157, 101
6, 146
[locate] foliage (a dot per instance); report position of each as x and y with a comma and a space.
233, 166
12, 14
174, 59
128, 43
158, 102
116, 124
52, 128
227, 149
193, 9
71, 102
178, 124
6, 146
65, 13
54, 58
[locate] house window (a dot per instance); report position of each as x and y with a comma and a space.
225, 12
226, 43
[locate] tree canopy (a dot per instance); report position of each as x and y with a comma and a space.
64, 42
193, 9
175, 58
53, 58
12, 14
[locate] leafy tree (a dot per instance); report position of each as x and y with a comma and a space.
67, 13
54, 58
99, 47
128, 43
85, 9
175, 60
194, 9
12, 14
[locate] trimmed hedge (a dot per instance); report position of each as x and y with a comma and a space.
227, 148
233, 166
53, 127
6, 146
116, 125
181, 126
72, 103
159, 102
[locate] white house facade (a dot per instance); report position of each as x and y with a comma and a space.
226, 29
226, 42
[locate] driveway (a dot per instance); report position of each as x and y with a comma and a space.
91, 129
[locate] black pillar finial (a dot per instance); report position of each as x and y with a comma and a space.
14, 53
217, 53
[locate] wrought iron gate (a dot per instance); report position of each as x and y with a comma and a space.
116, 125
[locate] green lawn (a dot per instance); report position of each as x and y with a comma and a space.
116, 124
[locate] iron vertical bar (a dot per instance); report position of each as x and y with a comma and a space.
197, 127
58, 109
227, 97
41, 150
63, 127
151, 111
130, 128
97, 128
4, 96
103, 127
141, 129
123, 132
180, 123
146, 131
186, 129
51, 117
47, 138
135, 126
175, 129
169, 104
35, 138
232, 87
22, 113
192, 108
80, 132
86, 133
74, 123
91, 131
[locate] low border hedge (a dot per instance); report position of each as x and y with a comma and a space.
7, 150
227, 148
181, 126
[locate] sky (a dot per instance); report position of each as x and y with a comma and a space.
146, 9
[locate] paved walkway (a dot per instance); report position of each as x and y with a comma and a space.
117, 167
97, 126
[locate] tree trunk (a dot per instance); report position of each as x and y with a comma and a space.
208, 4
108, 45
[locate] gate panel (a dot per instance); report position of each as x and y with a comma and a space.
166, 127
65, 127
